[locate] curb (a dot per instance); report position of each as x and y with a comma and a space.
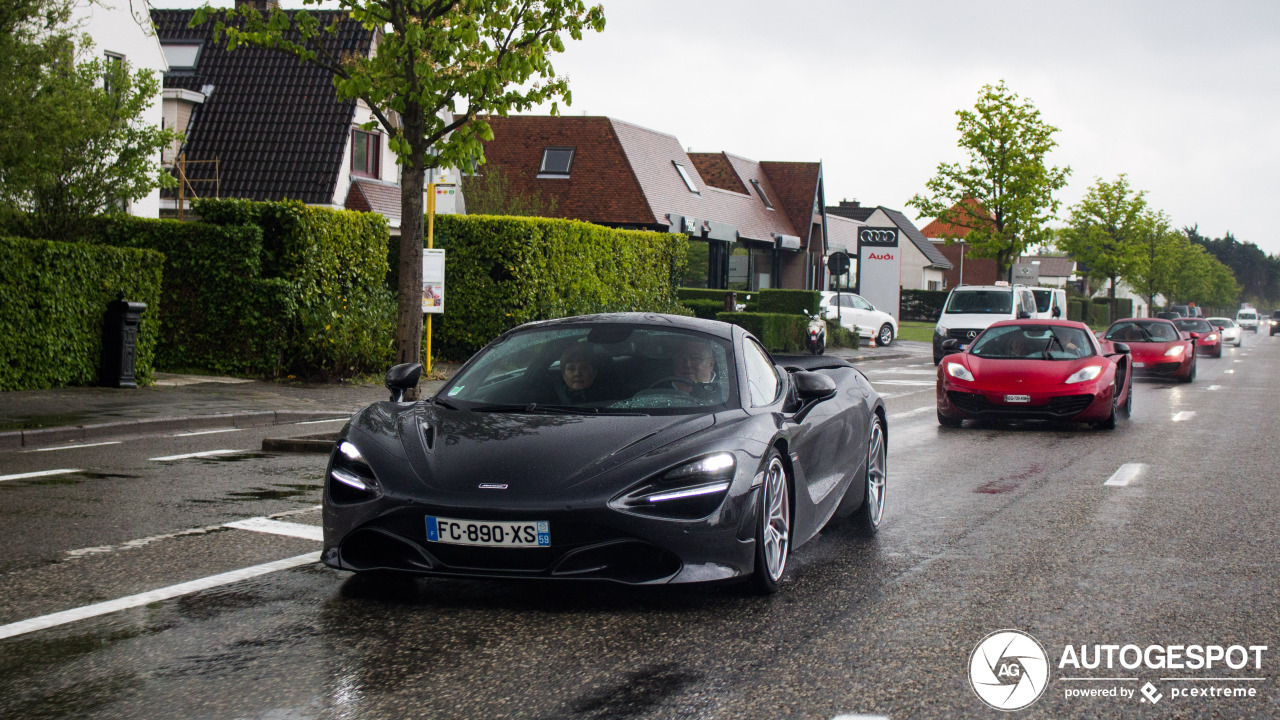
319, 443
19, 439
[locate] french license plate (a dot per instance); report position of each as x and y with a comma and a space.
1138, 364
1017, 398
529, 533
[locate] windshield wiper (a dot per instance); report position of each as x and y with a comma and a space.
444, 404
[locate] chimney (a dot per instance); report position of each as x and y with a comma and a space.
850, 203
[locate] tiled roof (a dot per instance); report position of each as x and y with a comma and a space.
939, 229
920, 241
373, 196
853, 212
1052, 265
274, 125
796, 187
718, 172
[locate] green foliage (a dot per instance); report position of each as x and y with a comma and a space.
1107, 230
334, 263
1004, 196
501, 272
795, 302
491, 194
923, 305
839, 336
688, 293
705, 309
1257, 272
72, 142
53, 301
778, 332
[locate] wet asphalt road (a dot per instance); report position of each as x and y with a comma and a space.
987, 528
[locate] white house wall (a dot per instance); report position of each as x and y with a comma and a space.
116, 30
914, 267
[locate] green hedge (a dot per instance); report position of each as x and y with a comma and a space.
791, 302
53, 303
334, 266
778, 332
685, 293
504, 271
923, 305
705, 309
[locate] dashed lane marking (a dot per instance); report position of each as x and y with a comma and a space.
143, 542
1229, 372
276, 527
1184, 415
1214, 387
39, 473
317, 422
73, 447
132, 601
203, 454
909, 413
913, 383
206, 432
1125, 475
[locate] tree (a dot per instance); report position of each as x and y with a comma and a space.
1004, 196
491, 194
1106, 229
73, 144
1160, 249
438, 69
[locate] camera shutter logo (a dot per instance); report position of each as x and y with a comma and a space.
1009, 670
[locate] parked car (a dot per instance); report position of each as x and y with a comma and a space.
1229, 330
1050, 302
1156, 347
860, 316
970, 309
1187, 310
1247, 318
1035, 370
691, 456
1208, 339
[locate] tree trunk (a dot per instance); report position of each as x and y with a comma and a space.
409, 287
1113, 298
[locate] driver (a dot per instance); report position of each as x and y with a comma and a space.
694, 364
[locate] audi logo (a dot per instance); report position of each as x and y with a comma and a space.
878, 237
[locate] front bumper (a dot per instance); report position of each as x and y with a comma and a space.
969, 401
1161, 366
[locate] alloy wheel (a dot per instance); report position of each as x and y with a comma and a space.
777, 519
877, 474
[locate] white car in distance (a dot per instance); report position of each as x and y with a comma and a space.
860, 316
1230, 331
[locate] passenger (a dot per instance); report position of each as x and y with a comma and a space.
578, 373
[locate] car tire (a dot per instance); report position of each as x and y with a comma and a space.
875, 482
947, 421
1110, 422
773, 526
822, 346
1127, 408
1191, 376
884, 338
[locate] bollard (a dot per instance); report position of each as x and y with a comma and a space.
120, 343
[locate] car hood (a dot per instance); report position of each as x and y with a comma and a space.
1012, 375
455, 451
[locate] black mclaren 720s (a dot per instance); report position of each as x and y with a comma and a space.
634, 448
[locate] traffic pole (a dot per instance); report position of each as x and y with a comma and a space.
431, 226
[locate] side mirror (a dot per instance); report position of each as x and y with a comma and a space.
401, 378
1057, 311
1121, 348
811, 386
950, 345
1024, 315
1194, 335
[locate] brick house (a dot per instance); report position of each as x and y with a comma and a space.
751, 224
965, 269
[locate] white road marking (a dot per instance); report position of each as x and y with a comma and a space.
909, 413
143, 542
73, 447
1214, 387
1237, 360
901, 371
912, 383
317, 422
203, 454
1184, 415
1126, 474
206, 432
132, 601
887, 396
40, 473
276, 527
1228, 372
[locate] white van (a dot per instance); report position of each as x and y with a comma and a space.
1247, 319
1051, 303
970, 309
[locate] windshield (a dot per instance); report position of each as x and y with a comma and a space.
1039, 342
1129, 332
1193, 325
1043, 299
981, 302
1223, 322
597, 369
1247, 316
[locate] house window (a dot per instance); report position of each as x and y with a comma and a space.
115, 63
556, 162
684, 175
365, 151
760, 192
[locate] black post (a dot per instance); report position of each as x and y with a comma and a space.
120, 343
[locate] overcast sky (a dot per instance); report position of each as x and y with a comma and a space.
1183, 97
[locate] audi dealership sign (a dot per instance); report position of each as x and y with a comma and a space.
880, 268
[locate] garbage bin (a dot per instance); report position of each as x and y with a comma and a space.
120, 343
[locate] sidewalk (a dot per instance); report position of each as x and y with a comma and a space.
32, 418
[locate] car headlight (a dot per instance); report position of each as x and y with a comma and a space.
1084, 374
720, 465
956, 370
1213, 337
689, 491
939, 330
351, 480
1175, 351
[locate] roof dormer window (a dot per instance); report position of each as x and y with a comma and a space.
556, 162
684, 175
760, 191
182, 58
